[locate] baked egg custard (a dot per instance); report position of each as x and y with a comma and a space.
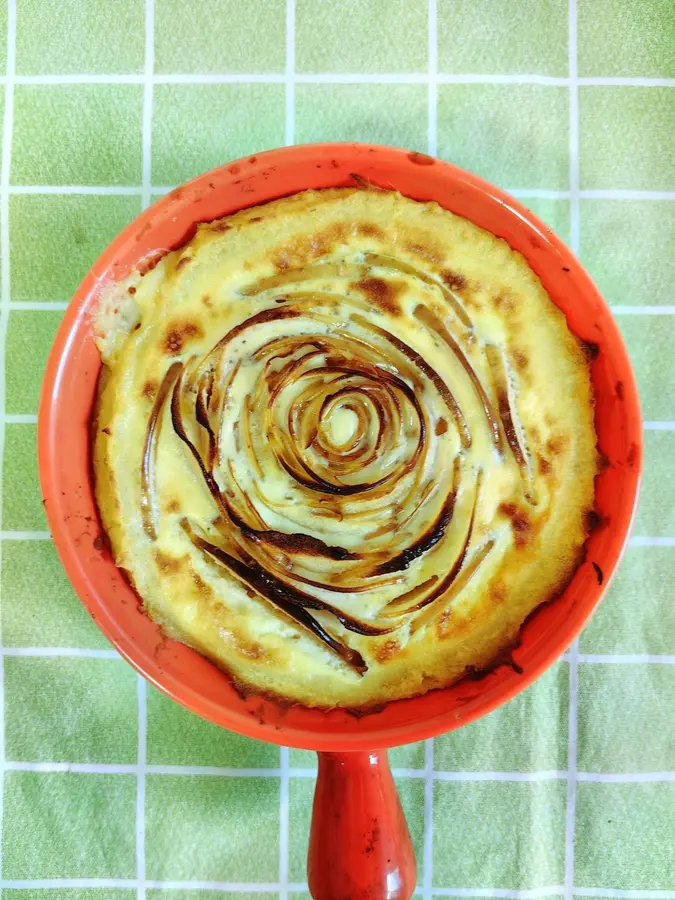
343, 446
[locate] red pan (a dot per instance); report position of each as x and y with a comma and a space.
359, 845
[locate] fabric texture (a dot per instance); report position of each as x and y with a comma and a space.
112, 792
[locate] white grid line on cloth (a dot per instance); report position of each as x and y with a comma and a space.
69, 652
283, 774
141, 685
38, 305
627, 658
5, 292
527, 894
521, 193
289, 77
640, 540
340, 78
287, 772
627, 894
665, 310
570, 813
428, 847
103, 190
236, 887
432, 100
141, 695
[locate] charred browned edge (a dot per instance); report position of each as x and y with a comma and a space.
431, 537
294, 543
439, 587
293, 603
433, 323
500, 375
594, 521
504, 656
397, 265
590, 350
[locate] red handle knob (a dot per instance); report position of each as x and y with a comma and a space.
359, 847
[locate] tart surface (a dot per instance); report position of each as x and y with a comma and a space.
344, 445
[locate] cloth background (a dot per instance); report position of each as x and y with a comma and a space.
110, 791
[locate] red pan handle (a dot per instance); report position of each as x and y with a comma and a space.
359, 846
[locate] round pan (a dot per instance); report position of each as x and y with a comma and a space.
65, 458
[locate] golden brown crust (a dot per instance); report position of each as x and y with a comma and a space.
350, 448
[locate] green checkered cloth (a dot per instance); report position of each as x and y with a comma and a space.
112, 792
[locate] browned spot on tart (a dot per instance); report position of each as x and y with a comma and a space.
590, 350
520, 361
498, 593
593, 521
520, 522
427, 251
503, 301
381, 293
203, 588
441, 426
170, 565
387, 650
454, 280
366, 229
176, 335
149, 389
557, 444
